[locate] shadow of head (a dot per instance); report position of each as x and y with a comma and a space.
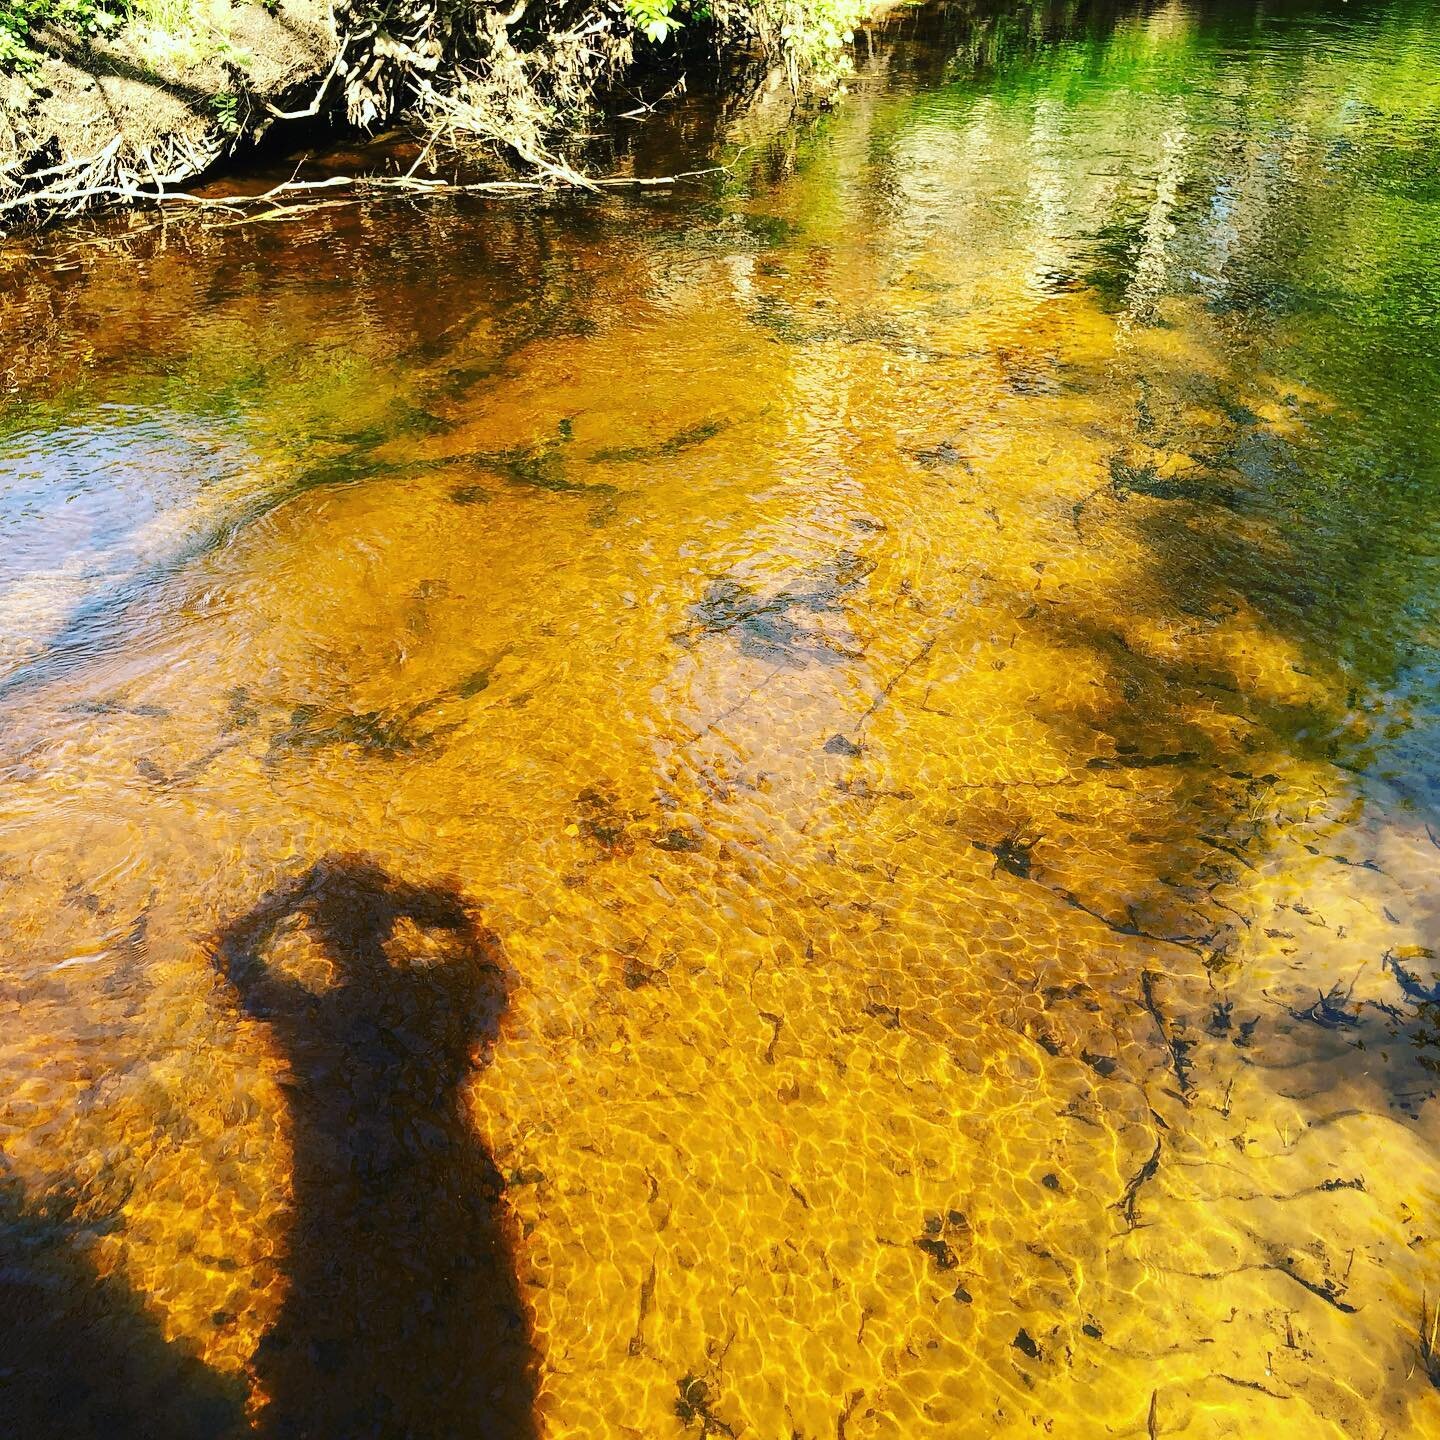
402, 978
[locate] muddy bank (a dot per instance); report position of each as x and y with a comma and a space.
132, 110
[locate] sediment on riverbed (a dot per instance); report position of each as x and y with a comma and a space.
101, 107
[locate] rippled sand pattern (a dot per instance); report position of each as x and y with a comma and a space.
862, 705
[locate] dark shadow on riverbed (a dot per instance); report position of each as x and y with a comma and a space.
402, 1315
80, 1356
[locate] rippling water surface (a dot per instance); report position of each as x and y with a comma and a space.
801, 807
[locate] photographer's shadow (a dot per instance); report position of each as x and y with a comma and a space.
402, 1316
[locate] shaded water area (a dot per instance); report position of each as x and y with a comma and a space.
800, 807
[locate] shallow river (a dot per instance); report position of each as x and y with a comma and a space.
804, 805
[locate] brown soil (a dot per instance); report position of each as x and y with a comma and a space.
121, 106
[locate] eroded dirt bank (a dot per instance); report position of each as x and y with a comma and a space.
98, 113
124, 112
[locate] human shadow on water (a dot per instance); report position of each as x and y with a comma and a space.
81, 1356
402, 1315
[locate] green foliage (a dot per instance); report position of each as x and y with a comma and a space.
20, 18
225, 107
13, 50
809, 37
654, 19
178, 27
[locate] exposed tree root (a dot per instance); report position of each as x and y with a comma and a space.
116, 175
503, 81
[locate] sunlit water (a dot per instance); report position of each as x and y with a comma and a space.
805, 807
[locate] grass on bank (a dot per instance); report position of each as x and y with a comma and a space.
187, 31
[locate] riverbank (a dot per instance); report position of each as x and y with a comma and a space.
102, 106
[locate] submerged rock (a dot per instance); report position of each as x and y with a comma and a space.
1026, 1345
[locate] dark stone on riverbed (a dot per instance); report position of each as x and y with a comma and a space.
939, 1251
637, 974
471, 495
1329, 1011
1012, 853
685, 439
939, 457
1103, 1065
840, 745
372, 731
695, 1407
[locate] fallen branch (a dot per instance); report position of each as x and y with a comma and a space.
1175, 1049
364, 187
1128, 1202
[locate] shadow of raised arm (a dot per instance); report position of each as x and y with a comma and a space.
261, 990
